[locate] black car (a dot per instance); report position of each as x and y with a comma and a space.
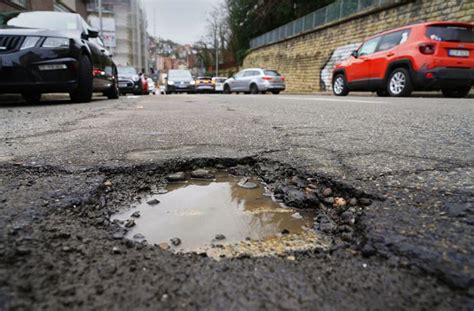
53, 52
179, 81
129, 80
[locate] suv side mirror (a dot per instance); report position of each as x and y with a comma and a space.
355, 54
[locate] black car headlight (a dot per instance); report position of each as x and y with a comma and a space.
55, 42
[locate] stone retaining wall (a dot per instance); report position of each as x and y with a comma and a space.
307, 60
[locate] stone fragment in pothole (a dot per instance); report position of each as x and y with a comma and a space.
202, 174
245, 183
179, 176
202, 211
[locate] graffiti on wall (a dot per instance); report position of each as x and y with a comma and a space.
338, 55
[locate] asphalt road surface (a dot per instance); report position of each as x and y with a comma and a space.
413, 247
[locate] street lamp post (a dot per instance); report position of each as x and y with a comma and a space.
100, 18
217, 51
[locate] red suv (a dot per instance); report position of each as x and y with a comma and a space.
427, 56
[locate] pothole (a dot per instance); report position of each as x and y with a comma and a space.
220, 215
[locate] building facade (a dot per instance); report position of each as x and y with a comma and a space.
124, 31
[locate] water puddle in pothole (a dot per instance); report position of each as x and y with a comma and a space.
220, 218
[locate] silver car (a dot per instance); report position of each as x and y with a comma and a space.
254, 81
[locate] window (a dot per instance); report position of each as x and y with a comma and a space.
272, 73
240, 74
369, 47
393, 39
451, 33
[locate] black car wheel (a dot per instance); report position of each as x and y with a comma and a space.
226, 89
339, 86
399, 83
275, 92
253, 89
83, 92
32, 98
113, 92
456, 93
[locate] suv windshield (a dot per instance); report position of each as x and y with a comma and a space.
43, 20
451, 33
179, 74
126, 71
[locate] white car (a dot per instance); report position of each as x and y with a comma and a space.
218, 84
151, 86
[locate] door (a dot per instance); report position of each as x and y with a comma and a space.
237, 84
358, 72
385, 53
106, 73
248, 76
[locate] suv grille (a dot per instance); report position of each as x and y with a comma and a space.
10, 43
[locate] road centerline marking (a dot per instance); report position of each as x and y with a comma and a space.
333, 100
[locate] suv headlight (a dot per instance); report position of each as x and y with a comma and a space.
54, 42
192, 82
29, 42
135, 78
170, 82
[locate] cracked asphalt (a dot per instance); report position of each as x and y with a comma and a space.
415, 155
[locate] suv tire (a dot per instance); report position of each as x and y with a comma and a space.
399, 83
83, 92
456, 93
339, 86
253, 89
226, 89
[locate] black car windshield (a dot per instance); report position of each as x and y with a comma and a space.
451, 33
179, 74
43, 20
126, 71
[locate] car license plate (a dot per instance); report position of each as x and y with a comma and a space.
458, 53
122, 84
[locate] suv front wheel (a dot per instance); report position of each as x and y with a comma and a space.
399, 83
339, 86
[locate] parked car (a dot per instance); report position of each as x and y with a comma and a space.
204, 84
163, 89
218, 84
151, 86
144, 79
53, 52
426, 56
129, 80
254, 81
179, 81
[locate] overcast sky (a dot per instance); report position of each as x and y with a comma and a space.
183, 21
